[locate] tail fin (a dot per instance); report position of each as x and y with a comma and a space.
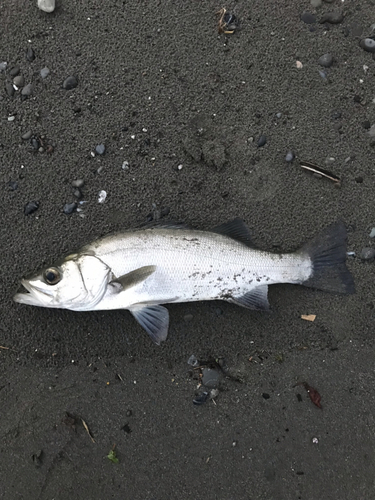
327, 252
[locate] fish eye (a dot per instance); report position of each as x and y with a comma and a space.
52, 275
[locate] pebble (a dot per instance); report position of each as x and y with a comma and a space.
210, 378
102, 196
9, 89
78, 183
289, 157
366, 124
34, 143
261, 141
44, 72
326, 60
27, 135
14, 71
77, 193
372, 234
69, 208
27, 90
334, 17
3, 66
279, 115
30, 54
367, 44
11, 118
100, 149
19, 80
13, 185
193, 361
371, 131
125, 165
70, 83
308, 18
323, 74
316, 3
47, 5
31, 207
367, 253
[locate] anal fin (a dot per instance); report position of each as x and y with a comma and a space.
255, 299
154, 319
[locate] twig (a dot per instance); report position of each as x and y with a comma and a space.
87, 430
320, 171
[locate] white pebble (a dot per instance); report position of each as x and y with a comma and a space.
125, 165
315, 440
46, 5
102, 196
11, 118
179, 167
372, 234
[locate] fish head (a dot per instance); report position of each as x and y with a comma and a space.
78, 283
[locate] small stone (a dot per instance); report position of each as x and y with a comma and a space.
14, 71
77, 193
261, 141
27, 90
315, 3
19, 80
265, 395
69, 208
35, 143
125, 165
3, 66
308, 18
334, 17
279, 115
78, 183
367, 253
70, 83
371, 131
326, 60
366, 125
30, 54
323, 74
193, 361
210, 378
41, 149
11, 118
44, 72
367, 44
315, 440
46, 5
27, 135
13, 185
372, 234
9, 89
102, 196
31, 207
100, 149
289, 157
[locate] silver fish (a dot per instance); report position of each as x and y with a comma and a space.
142, 269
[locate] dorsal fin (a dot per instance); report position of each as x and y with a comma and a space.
235, 229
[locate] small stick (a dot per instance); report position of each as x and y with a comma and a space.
87, 430
320, 171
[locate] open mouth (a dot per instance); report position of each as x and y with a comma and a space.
34, 296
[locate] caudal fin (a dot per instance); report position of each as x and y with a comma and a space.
327, 252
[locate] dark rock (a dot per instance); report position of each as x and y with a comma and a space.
100, 149
201, 398
265, 395
334, 17
13, 185
367, 44
14, 71
35, 143
326, 60
27, 90
27, 135
70, 83
210, 378
367, 253
19, 80
261, 141
31, 207
30, 54
366, 125
9, 89
308, 18
69, 208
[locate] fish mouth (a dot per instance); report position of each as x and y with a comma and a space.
34, 296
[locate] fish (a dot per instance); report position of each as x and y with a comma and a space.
142, 270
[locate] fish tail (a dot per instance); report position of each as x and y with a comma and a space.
327, 252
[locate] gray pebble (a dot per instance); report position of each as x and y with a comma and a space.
70, 83
279, 115
315, 3
308, 18
27, 135
326, 60
77, 193
30, 54
289, 157
14, 71
210, 378
372, 234
27, 90
367, 44
323, 74
78, 183
34, 143
69, 208
261, 141
193, 361
9, 89
31, 207
334, 17
3, 66
367, 253
44, 72
100, 149
19, 80
371, 131
13, 185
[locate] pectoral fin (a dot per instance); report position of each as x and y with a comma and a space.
255, 299
133, 278
154, 319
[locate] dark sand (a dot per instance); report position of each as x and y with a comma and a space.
161, 66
